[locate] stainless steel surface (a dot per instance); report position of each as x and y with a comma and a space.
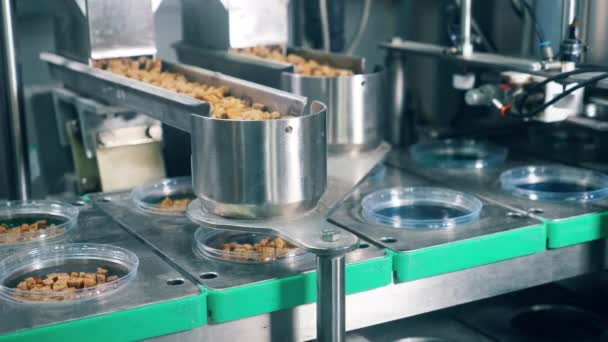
416, 297
355, 103
167, 106
493, 218
485, 184
476, 58
97, 29
569, 13
274, 168
193, 335
398, 127
331, 311
595, 29
306, 230
466, 47
545, 313
432, 327
234, 23
13, 89
149, 287
173, 237
351, 125
120, 28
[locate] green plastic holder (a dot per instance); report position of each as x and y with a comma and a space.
133, 324
585, 228
460, 255
273, 295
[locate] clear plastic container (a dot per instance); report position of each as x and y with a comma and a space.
211, 243
555, 183
58, 217
458, 154
77, 257
150, 197
420, 207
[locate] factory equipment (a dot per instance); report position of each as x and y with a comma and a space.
251, 182
352, 125
291, 209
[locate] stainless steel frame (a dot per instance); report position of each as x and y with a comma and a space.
493, 219
98, 29
309, 230
475, 58
259, 169
13, 88
352, 125
416, 297
149, 287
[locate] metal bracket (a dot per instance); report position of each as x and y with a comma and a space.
101, 124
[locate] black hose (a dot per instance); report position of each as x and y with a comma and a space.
562, 95
563, 75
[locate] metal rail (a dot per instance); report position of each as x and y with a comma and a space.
17, 129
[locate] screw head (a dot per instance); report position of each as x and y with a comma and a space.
330, 235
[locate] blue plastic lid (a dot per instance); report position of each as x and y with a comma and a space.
555, 183
420, 207
458, 154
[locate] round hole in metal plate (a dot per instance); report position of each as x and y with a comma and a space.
288, 129
209, 275
559, 323
422, 339
175, 281
388, 239
515, 214
363, 245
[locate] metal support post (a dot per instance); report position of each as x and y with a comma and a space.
330, 299
12, 89
569, 9
465, 27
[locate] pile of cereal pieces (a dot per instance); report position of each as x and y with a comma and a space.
20, 233
177, 204
223, 106
60, 286
266, 250
303, 66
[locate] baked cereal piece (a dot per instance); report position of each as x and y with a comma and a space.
303, 66
222, 105
265, 250
111, 278
16, 234
169, 203
90, 282
61, 286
